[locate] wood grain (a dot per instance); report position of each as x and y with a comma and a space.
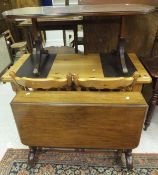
6, 77
86, 66
105, 33
74, 123
101, 34
80, 10
25, 3
121, 83
83, 65
77, 97
144, 76
41, 83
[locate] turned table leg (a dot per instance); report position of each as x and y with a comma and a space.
129, 159
152, 106
122, 42
80, 150
76, 38
119, 156
31, 156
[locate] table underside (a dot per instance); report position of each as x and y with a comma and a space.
80, 10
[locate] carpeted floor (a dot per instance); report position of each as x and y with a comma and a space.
59, 162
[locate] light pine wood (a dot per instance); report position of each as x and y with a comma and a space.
137, 88
86, 66
89, 66
70, 119
6, 77
144, 76
41, 83
121, 83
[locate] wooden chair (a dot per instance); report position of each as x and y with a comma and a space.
41, 83
21, 46
120, 83
151, 94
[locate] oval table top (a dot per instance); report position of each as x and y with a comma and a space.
79, 10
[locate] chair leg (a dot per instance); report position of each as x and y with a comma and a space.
76, 39
119, 156
80, 150
12, 54
64, 37
26, 50
21, 51
153, 103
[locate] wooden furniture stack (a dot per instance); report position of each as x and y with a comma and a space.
92, 112
15, 46
99, 106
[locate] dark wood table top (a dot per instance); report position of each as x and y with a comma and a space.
79, 10
149, 2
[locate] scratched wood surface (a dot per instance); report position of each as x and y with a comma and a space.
85, 66
74, 117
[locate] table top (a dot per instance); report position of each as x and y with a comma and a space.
81, 97
79, 10
86, 66
149, 2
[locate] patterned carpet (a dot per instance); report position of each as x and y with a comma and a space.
60, 162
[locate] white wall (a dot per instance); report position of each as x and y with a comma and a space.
60, 2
